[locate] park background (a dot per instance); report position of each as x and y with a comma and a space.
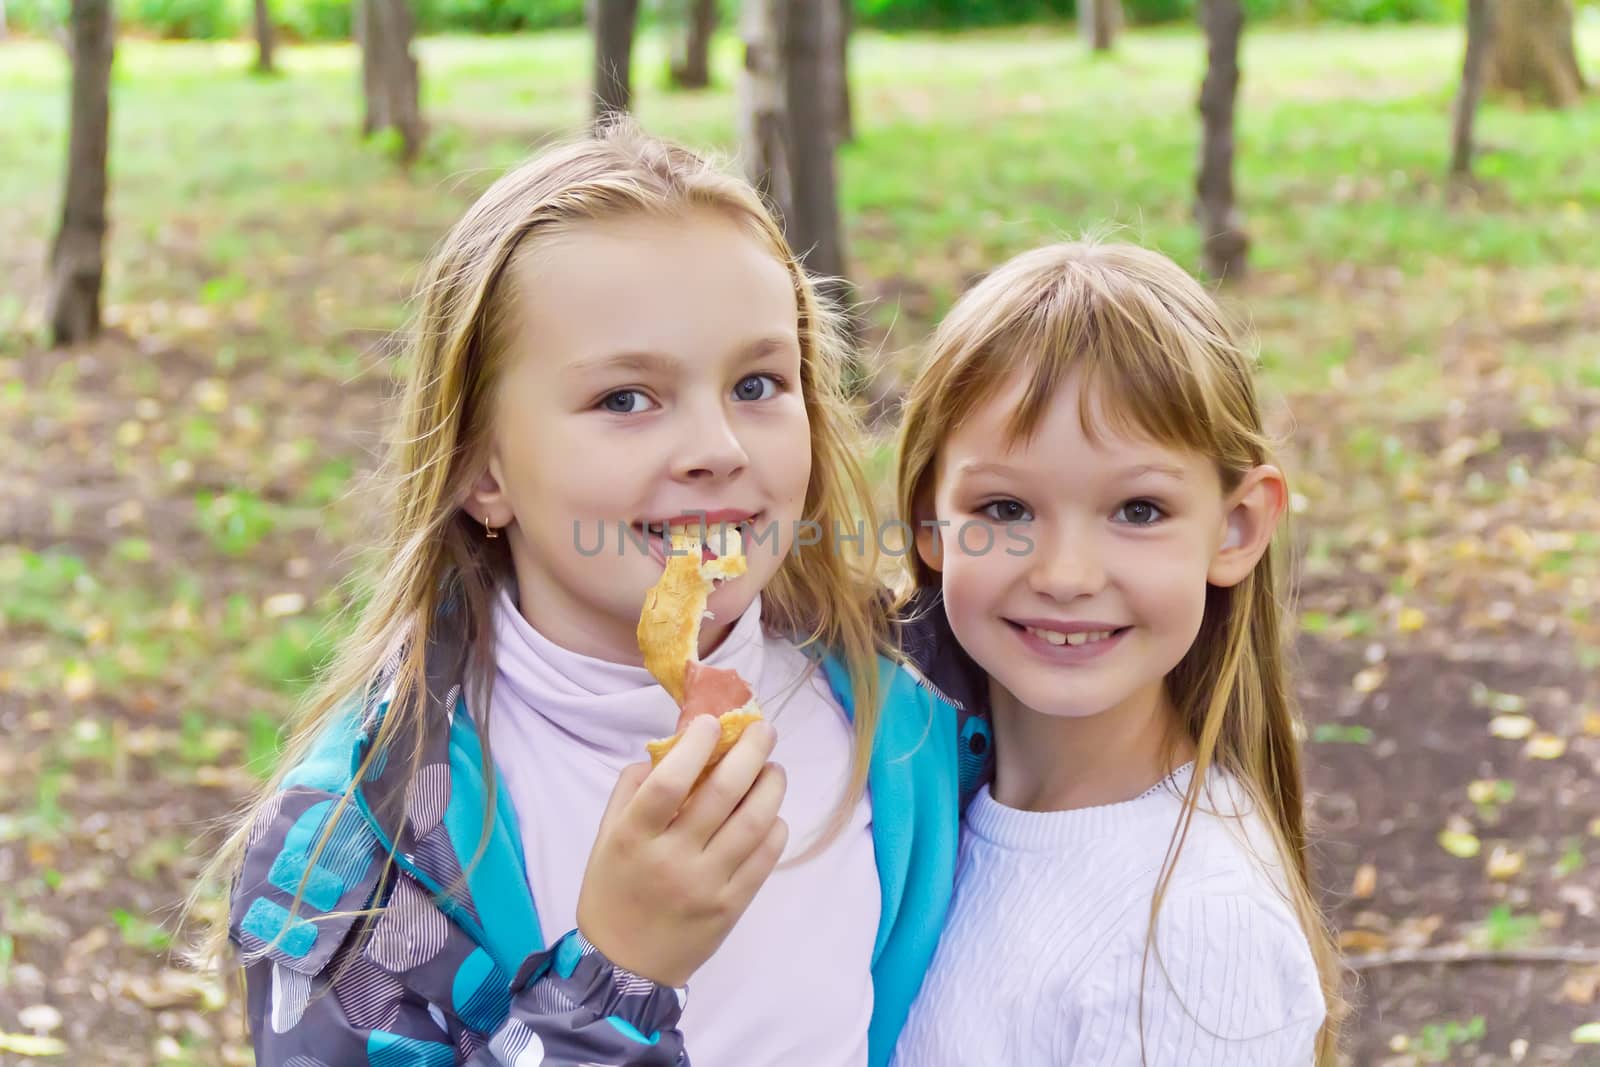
185, 445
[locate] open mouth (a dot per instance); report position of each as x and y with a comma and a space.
658, 535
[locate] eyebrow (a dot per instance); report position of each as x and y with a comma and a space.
977, 468
1154, 468
973, 468
647, 362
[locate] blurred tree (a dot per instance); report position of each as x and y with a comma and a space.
841, 23
1224, 241
1534, 53
384, 29
264, 63
1480, 33
763, 118
77, 257
810, 51
614, 21
1098, 23
691, 59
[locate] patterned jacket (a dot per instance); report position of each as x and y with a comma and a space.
417, 964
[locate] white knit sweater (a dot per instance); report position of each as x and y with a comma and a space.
1041, 957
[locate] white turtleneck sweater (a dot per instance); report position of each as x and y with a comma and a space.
792, 983
1041, 957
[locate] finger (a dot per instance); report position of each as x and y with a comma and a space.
663, 791
750, 822
628, 783
753, 874
714, 799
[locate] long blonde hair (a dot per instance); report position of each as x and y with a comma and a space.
433, 555
1164, 362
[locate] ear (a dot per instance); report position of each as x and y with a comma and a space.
930, 544
486, 501
1253, 511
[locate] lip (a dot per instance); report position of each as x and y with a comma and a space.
1059, 626
1062, 655
695, 518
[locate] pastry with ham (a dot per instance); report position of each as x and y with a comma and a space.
669, 637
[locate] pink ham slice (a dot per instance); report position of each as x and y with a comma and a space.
710, 691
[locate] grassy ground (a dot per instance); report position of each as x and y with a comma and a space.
176, 519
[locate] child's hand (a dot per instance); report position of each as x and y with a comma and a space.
674, 866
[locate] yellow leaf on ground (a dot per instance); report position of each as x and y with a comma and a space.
1362, 941
1587, 1034
1366, 882
1580, 988
1511, 727
1369, 679
31, 1045
1504, 863
1458, 844
1411, 620
1545, 746
78, 683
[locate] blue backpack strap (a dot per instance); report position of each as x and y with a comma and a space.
914, 780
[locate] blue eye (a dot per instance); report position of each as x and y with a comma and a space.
621, 401
1140, 513
752, 388
1007, 511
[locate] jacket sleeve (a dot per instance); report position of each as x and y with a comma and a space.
366, 968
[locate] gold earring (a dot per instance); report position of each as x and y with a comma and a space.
489, 531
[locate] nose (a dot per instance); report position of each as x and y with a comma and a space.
710, 448
1066, 565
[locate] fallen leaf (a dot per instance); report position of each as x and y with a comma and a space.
1369, 679
1591, 723
1366, 882
1511, 727
1459, 844
1504, 863
40, 1017
1545, 746
1362, 941
283, 604
1411, 620
31, 1045
1587, 1034
1580, 988
78, 683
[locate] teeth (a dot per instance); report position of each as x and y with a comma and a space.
1082, 637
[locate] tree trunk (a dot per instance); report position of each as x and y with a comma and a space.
1098, 23
763, 117
1533, 51
1480, 32
813, 225
77, 258
263, 38
1221, 230
691, 62
389, 72
841, 25
614, 21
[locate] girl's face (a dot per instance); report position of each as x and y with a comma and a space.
1075, 571
655, 375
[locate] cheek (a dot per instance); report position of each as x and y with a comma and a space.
784, 455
